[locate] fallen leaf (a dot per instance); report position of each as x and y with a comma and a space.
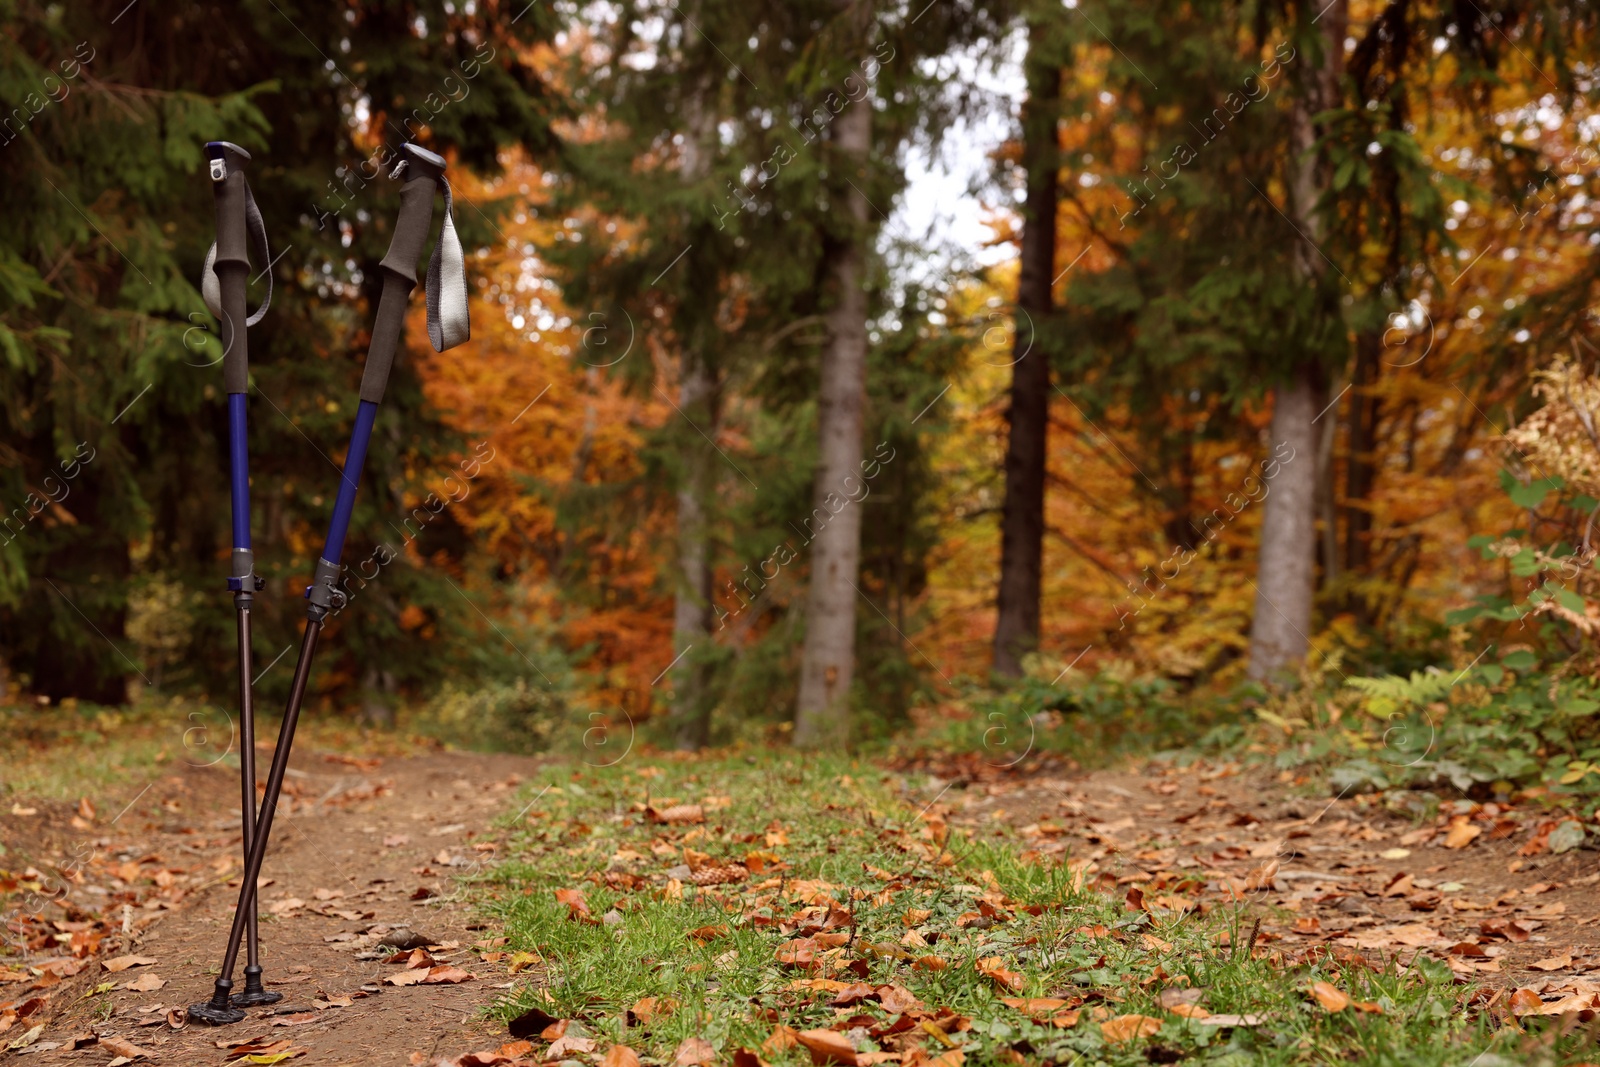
993, 968
742, 1057
122, 963
708, 933
1329, 997
530, 1023
930, 963
1034, 1005
854, 993
1526, 1002
827, 1046
121, 1046
677, 814
407, 977
620, 1056
781, 1038
1189, 1011
895, 999
1250, 1019
148, 982
694, 1051
647, 1008
566, 1044
1461, 834
1552, 963
447, 975
1127, 1027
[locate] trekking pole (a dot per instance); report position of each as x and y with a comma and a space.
222, 285
448, 326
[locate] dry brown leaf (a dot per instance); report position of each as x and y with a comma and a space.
708, 933
694, 1051
407, 977
677, 814
828, 1046
929, 963
854, 993
147, 982
122, 963
1127, 1027
1250, 1019
743, 1057
563, 1046
448, 974
1189, 1011
1461, 834
1552, 963
647, 1008
1331, 998
620, 1056
800, 952
896, 999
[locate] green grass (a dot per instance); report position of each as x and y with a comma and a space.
832, 820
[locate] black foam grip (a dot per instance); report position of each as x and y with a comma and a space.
399, 278
232, 267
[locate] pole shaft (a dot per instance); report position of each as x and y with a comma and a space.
269, 802
247, 769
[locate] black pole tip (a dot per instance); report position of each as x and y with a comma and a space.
216, 1011
254, 995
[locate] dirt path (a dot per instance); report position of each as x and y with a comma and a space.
1474, 885
362, 849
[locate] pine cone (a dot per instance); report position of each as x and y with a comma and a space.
726, 875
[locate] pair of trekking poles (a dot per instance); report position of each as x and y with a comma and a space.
227, 269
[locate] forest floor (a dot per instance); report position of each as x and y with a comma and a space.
767, 909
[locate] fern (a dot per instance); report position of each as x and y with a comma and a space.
1392, 692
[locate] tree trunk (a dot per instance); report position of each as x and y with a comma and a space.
1361, 470
698, 388
1286, 573
1016, 631
691, 613
828, 663
1286, 565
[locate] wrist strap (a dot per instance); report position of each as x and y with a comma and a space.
211, 288
448, 324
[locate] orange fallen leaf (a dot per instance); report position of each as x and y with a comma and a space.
708, 933
1127, 1027
1526, 1002
781, 1038
993, 968
800, 952
646, 1008
1189, 1011
1034, 1005
1331, 998
930, 963
742, 1057
1552, 963
447, 975
407, 977
1461, 834
827, 1046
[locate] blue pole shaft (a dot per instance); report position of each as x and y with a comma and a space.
239, 469
344, 506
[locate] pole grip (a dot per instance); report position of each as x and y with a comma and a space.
399, 278
232, 263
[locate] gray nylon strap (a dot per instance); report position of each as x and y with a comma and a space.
448, 324
211, 288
